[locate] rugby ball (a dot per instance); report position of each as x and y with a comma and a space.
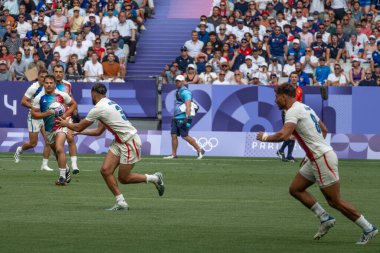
58, 108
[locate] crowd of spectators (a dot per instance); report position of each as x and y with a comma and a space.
261, 42
92, 39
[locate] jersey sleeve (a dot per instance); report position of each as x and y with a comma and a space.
94, 114
29, 92
186, 95
66, 98
36, 102
291, 116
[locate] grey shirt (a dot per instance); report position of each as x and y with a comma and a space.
19, 68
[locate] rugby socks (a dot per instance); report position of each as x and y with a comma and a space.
62, 172
291, 144
74, 162
151, 178
364, 224
121, 200
318, 210
45, 162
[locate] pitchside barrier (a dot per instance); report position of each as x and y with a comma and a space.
226, 123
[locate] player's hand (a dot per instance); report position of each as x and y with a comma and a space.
61, 122
261, 136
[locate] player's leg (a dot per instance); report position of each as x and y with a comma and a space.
303, 180
281, 152
72, 151
291, 144
33, 128
60, 139
45, 152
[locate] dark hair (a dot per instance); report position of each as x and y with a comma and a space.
58, 66
52, 77
286, 89
99, 88
43, 71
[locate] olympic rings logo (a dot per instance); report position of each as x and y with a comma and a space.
206, 144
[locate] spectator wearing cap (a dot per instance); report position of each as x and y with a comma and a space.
303, 78
337, 78
22, 26
9, 20
313, 26
92, 12
208, 76
76, 20
5, 74
203, 35
289, 67
354, 49
294, 29
322, 72
319, 47
191, 75
127, 30
275, 67
13, 43
255, 79
305, 35
248, 68
200, 62
76, 6
45, 53
214, 19
296, 50
111, 69
240, 30
184, 59
120, 53
94, 27
93, 69
194, 46
109, 22
309, 62
57, 22
18, 68
334, 51
210, 27
277, 46
264, 18
87, 34
170, 73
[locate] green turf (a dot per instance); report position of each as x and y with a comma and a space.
215, 205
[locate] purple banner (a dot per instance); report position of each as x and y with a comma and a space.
137, 98
252, 108
237, 144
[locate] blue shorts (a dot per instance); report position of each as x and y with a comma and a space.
179, 129
365, 2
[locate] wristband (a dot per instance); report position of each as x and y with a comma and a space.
265, 137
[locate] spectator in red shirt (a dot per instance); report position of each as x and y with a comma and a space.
244, 49
99, 50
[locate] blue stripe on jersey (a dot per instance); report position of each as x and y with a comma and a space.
38, 91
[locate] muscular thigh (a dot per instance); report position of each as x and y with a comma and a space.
110, 163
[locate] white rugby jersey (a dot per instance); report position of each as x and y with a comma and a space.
114, 119
308, 131
32, 92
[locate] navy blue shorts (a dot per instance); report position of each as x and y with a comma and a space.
179, 129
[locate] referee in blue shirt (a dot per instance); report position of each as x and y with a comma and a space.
182, 118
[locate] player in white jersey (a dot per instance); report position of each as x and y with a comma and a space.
321, 165
35, 126
65, 86
56, 135
124, 151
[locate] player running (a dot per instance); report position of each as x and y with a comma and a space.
65, 86
34, 125
321, 167
56, 135
125, 149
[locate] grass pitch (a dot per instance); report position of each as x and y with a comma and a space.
214, 205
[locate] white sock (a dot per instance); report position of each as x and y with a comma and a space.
62, 172
364, 224
318, 210
74, 162
45, 162
151, 178
120, 198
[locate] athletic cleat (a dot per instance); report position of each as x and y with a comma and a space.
281, 155
291, 159
61, 181
201, 154
366, 237
68, 175
46, 168
75, 171
160, 184
118, 207
324, 228
18, 154
170, 157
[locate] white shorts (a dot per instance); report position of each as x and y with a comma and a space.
129, 152
34, 125
323, 170
50, 136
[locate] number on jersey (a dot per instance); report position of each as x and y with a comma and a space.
316, 123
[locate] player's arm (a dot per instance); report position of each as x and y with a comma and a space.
283, 134
323, 128
37, 114
72, 107
94, 132
25, 101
